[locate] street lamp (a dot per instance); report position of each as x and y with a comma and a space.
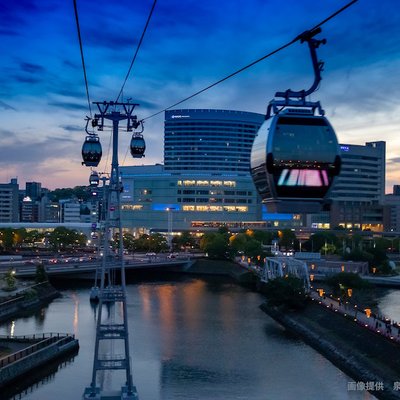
169, 216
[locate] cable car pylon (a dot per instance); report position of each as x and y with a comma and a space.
296, 155
112, 329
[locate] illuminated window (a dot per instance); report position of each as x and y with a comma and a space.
236, 208
216, 183
189, 183
202, 183
230, 183
188, 208
131, 207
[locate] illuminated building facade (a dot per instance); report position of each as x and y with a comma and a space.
209, 140
205, 181
9, 205
358, 193
194, 201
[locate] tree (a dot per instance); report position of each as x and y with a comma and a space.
215, 245
238, 242
41, 275
287, 239
10, 280
321, 241
183, 241
33, 236
62, 238
78, 192
288, 292
151, 243
7, 239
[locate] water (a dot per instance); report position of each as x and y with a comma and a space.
191, 339
389, 305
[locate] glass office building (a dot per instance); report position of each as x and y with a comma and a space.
209, 140
205, 181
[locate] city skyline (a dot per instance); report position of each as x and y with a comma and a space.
187, 46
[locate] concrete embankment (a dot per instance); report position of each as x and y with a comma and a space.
360, 353
27, 300
222, 268
41, 351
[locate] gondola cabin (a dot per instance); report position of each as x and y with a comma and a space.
138, 146
94, 179
294, 160
91, 151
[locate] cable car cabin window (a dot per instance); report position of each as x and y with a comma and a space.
303, 151
304, 142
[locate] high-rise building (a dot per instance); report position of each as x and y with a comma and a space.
392, 211
9, 201
33, 190
211, 141
70, 211
358, 192
205, 183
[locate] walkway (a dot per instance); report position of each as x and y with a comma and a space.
378, 324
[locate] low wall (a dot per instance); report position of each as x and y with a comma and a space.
25, 364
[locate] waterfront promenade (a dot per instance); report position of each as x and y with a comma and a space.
380, 325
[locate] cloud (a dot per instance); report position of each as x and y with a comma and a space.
27, 79
72, 128
31, 68
68, 105
6, 106
18, 151
394, 160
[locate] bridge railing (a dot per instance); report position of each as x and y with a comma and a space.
45, 340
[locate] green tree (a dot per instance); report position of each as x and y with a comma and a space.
10, 280
253, 248
287, 239
62, 238
129, 242
183, 241
264, 237
215, 245
40, 275
33, 236
7, 239
320, 241
288, 293
151, 243
78, 192
238, 242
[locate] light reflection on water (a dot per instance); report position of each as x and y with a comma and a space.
389, 305
191, 339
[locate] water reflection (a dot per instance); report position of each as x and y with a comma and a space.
192, 339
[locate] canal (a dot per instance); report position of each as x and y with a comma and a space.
190, 339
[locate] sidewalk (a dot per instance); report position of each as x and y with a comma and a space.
379, 325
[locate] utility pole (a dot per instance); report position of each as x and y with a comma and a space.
113, 330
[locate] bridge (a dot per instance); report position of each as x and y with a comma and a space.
88, 270
280, 267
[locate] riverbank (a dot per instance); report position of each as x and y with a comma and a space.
222, 268
360, 353
23, 302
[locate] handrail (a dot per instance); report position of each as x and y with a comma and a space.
46, 340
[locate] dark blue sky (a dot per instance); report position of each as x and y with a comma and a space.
189, 44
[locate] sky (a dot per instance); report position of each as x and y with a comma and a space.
188, 45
